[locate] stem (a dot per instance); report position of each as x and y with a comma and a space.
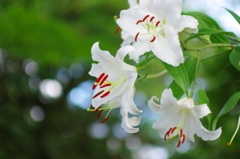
194, 82
157, 74
212, 45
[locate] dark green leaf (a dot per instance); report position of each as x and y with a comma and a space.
234, 15
208, 31
190, 66
219, 38
204, 20
179, 74
203, 99
227, 107
235, 58
202, 96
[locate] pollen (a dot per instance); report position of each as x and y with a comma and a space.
97, 94
152, 19
104, 120
105, 94
103, 80
135, 39
154, 38
97, 81
117, 30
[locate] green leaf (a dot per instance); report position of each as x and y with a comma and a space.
207, 31
190, 65
235, 58
219, 38
204, 20
148, 59
179, 74
227, 107
203, 99
234, 15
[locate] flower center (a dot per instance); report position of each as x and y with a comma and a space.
172, 132
151, 25
177, 131
106, 85
103, 108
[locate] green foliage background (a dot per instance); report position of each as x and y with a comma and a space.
58, 33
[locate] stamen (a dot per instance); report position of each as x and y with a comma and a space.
230, 143
179, 142
135, 39
145, 17
99, 114
184, 137
152, 19
158, 22
167, 134
139, 22
117, 30
103, 80
181, 133
97, 94
104, 120
105, 85
105, 94
97, 81
91, 106
154, 38
97, 109
173, 130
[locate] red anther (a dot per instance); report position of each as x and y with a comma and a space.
229, 144
103, 80
97, 109
91, 106
99, 114
139, 22
97, 94
105, 85
105, 94
179, 142
181, 133
117, 30
167, 134
152, 18
104, 120
173, 129
184, 137
154, 38
135, 39
99, 78
158, 22
145, 17
94, 86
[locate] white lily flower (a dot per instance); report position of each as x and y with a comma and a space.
181, 118
154, 25
127, 123
115, 79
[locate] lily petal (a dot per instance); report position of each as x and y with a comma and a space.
168, 101
127, 102
167, 121
169, 51
141, 47
201, 110
206, 134
186, 22
123, 51
127, 122
102, 56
